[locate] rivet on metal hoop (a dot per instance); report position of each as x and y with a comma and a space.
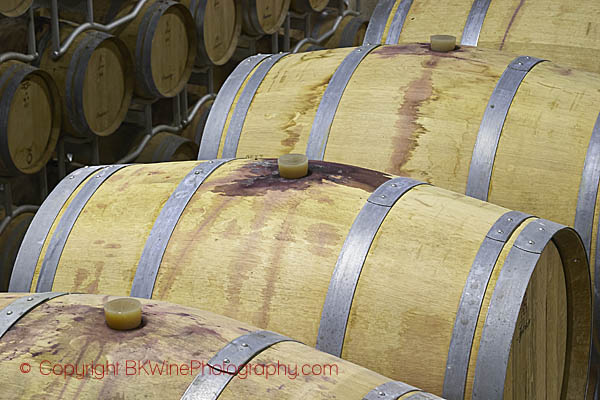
9, 312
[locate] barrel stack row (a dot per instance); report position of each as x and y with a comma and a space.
444, 236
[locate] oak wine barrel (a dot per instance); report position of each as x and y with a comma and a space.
165, 146
95, 80
30, 118
454, 294
350, 32
177, 352
565, 32
305, 6
263, 17
14, 8
10, 241
447, 118
218, 29
161, 40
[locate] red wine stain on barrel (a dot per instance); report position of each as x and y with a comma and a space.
261, 178
407, 125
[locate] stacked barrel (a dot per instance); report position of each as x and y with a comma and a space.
424, 209
217, 355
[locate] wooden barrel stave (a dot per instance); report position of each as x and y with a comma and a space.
563, 33
422, 103
265, 225
263, 17
159, 338
27, 143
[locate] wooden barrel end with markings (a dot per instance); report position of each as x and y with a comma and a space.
30, 118
263, 17
95, 79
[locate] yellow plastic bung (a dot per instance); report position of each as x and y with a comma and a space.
123, 314
293, 166
443, 43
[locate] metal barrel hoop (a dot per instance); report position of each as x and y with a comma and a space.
319, 133
507, 299
237, 353
39, 229
158, 240
344, 280
65, 225
217, 118
243, 104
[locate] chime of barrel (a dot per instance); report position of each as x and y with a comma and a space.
30, 118
166, 146
350, 32
178, 352
304, 6
95, 81
218, 28
263, 17
10, 241
447, 118
565, 32
449, 285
